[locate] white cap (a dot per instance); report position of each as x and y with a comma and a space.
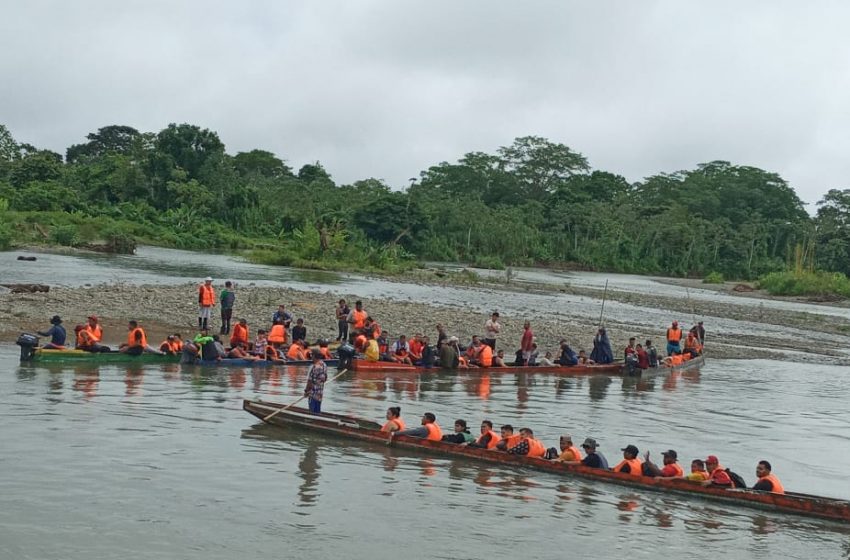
208, 279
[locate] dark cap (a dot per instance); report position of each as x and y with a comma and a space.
631, 449
670, 453
56, 319
589, 442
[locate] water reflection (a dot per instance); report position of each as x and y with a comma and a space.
308, 470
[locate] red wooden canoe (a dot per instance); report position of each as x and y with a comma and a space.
596, 369
347, 426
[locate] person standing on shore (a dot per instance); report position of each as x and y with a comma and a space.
342, 311
206, 301
526, 343
316, 383
492, 328
226, 300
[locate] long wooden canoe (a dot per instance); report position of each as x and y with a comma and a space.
366, 430
48, 356
596, 369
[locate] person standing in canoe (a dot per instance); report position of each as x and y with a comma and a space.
206, 301
316, 379
357, 320
674, 339
57, 334
601, 353
651, 354
492, 328
226, 300
526, 343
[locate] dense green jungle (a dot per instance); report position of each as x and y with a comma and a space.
534, 202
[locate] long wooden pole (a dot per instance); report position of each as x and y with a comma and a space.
290, 405
604, 293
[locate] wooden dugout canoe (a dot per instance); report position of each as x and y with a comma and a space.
47, 356
366, 430
596, 369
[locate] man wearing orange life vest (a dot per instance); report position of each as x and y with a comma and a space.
239, 337
509, 439
427, 430
169, 346
483, 354
91, 335
717, 475
297, 351
488, 438
527, 445
137, 341
671, 468
206, 301
630, 463
357, 320
767, 481
569, 452
277, 334
692, 346
674, 338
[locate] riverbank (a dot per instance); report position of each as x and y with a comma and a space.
166, 309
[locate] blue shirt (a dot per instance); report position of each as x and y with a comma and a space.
57, 335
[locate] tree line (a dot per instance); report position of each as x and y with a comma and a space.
532, 202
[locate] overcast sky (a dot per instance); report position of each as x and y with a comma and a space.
386, 88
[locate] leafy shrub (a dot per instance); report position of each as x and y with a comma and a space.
806, 284
488, 261
713, 278
65, 235
5, 236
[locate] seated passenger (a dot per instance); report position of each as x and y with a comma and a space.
527, 445
460, 435
508, 439
569, 452
427, 430
400, 351
593, 459
698, 472
499, 359
547, 360
767, 481
583, 359
394, 422
671, 468
568, 356
630, 463
488, 438
717, 475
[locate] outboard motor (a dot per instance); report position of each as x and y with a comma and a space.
346, 355
28, 343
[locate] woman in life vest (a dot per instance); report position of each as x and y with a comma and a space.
394, 422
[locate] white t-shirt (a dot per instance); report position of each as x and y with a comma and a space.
491, 329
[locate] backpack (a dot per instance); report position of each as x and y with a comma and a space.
737, 480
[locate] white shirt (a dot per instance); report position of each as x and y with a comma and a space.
491, 329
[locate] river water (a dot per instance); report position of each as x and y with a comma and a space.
161, 462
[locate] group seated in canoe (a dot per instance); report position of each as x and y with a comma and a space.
708, 472
209, 347
89, 337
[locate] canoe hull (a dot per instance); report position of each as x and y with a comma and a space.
44, 356
345, 426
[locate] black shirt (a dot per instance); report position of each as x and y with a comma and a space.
299, 333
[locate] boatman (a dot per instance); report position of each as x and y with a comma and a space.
316, 383
767, 481
674, 338
206, 301
428, 429
57, 334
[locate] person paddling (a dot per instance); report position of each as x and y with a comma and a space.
316, 378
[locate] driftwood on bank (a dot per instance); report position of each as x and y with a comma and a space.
26, 288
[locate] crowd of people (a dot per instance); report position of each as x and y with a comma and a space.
708, 472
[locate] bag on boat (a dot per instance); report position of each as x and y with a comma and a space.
737, 480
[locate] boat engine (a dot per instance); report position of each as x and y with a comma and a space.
28, 343
346, 355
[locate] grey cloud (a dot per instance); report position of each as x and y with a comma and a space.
387, 88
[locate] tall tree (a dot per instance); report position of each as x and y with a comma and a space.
189, 146
114, 139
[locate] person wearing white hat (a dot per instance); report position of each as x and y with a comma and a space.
206, 301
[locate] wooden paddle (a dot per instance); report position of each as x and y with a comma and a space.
290, 405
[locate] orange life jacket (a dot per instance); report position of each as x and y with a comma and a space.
95, 334
398, 422
485, 356
674, 335
535, 448
277, 334
82, 341
326, 352
494, 439
777, 486
295, 352
512, 441
169, 346
416, 348
575, 451
133, 334
359, 319
691, 342
360, 342
272, 353
178, 345
207, 295
676, 360
678, 467
635, 468
376, 330
239, 336
434, 431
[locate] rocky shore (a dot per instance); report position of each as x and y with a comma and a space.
166, 309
